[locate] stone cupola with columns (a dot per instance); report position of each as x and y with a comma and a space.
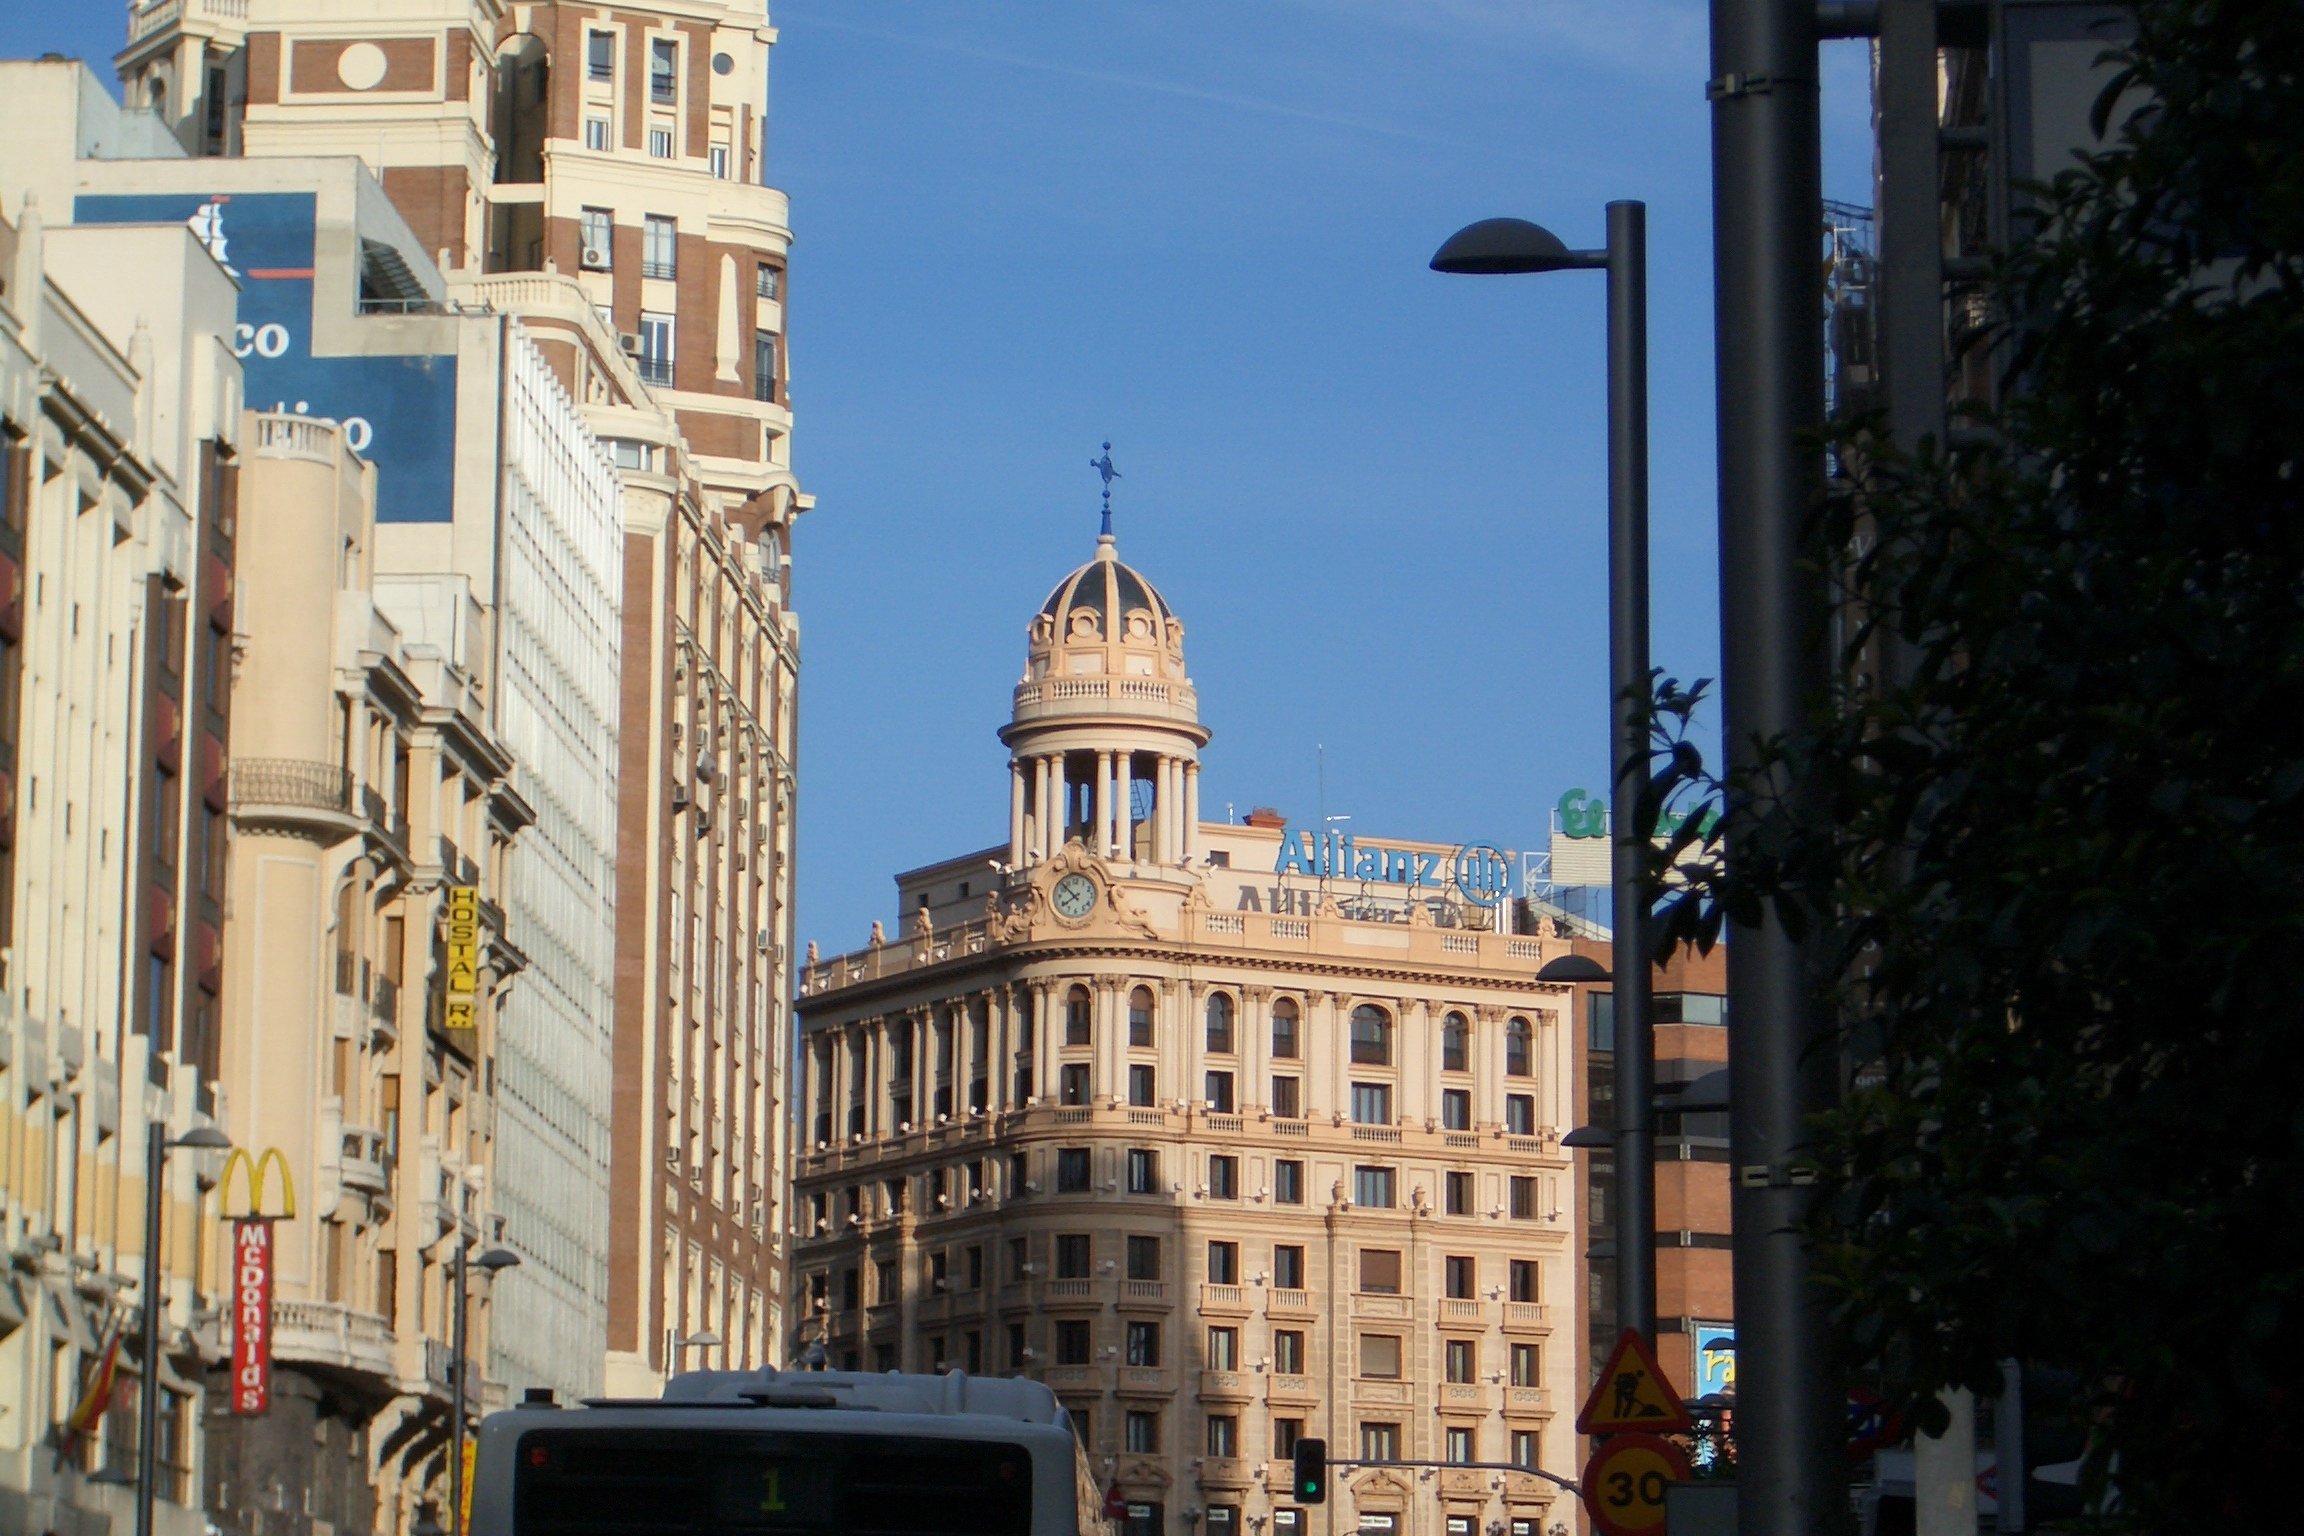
1106, 735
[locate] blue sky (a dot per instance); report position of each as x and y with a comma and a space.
1199, 228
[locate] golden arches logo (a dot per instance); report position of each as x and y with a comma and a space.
257, 1168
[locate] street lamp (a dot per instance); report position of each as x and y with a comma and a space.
1514, 245
157, 1146
682, 1343
494, 1260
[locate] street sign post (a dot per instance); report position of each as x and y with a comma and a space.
1625, 1482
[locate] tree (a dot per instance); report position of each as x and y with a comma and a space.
2051, 866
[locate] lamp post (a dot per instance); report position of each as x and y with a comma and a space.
492, 1261
683, 1342
157, 1146
1495, 246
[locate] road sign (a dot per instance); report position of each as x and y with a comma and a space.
1871, 1427
1632, 1395
1624, 1483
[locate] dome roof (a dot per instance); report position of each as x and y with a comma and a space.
1106, 645
1108, 592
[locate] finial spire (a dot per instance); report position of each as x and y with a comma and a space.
1103, 466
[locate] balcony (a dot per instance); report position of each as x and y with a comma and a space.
1388, 1308
1156, 1379
1463, 1483
1527, 1400
1281, 1303
1527, 1488
324, 1333
1139, 1294
1454, 1309
1224, 1300
366, 1164
1462, 1395
1290, 1389
293, 793
1066, 1290
1227, 1386
1527, 1317
1071, 1378
439, 1363
1226, 1472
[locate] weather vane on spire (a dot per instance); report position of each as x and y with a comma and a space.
1103, 466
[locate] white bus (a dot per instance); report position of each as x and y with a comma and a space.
769, 1453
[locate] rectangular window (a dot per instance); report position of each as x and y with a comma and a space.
1690, 1008
1288, 1266
1372, 1187
1223, 1177
1524, 1447
1223, 1349
1523, 1275
663, 70
765, 345
1143, 1258
600, 55
1380, 1271
1285, 1434
1224, 1519
1140, 1021
1462, 1275
595, 228
1143, 1085
1076, 1017
1143, 1343
1223, 1435
1461, 1358
659, 246
1073, 1252
1380, 1356
1372, 1103
1016, 1360
1457, 1189
596, 133
1072, 1083
1456, 1109
884, 1281
1288, 1351
659, 142
1071, 1341
719, 162
1071, 1170
1219, 1085
1143, 1431
1460, 1444
1143, 1171
1527, 1369
767, 283
1524, 1198
656, 348
1287, 1098
973, 1267
972, 1353
1223, 1263
1288, 1182
939, 1272
1519, 1114
1379, 1442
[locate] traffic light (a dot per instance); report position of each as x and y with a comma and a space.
2051, 1426
1311, 1471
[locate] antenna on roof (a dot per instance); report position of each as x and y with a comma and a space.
1103, 466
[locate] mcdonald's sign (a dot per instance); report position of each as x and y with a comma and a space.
258, 1169
251, 1315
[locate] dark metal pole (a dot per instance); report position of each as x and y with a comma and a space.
456, 1407
148, 1399
1628, 682
1767, 206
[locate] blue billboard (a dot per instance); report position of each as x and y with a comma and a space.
398, 412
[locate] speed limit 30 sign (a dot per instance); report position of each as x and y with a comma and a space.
1624, 1483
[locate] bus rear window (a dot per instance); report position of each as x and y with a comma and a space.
620, 1482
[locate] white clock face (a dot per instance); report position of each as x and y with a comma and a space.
1074, 896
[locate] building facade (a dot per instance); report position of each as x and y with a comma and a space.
1230, 1134
119, 436
611, 158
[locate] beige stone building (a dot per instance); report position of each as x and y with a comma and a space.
1230, 1133
598, 171
119, 431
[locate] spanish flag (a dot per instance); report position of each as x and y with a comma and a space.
97, 1396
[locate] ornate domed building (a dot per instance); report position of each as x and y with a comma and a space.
1228, 1134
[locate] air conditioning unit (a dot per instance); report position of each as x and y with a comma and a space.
596, 260
944, 1202
1031, 1186
1028, 1353
1031, 1269
762, 942
628, 343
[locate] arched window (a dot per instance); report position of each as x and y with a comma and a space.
1455, 1044
1518, 1060
1076, 1016
1371, 1037
1220, 1024
1140, 1017
1284, 1032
